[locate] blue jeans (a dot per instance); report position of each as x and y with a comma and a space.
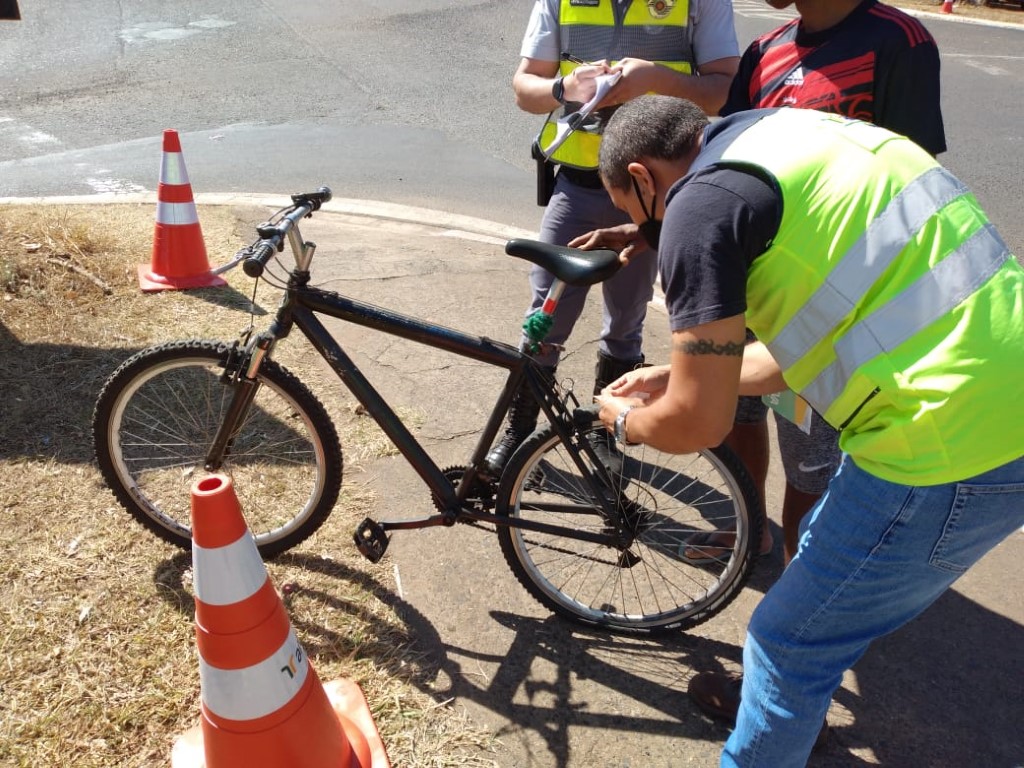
873, 555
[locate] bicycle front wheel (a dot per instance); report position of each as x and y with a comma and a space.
157, 415
662, 502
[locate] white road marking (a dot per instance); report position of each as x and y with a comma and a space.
212, 23
163, 31
988, 69
759, 9
113, 186
39, 137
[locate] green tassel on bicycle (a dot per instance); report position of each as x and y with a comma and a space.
536, 327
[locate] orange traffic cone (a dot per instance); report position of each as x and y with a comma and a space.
262, 702
179, 254
947, 6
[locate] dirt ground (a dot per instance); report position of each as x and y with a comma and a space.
1006, 11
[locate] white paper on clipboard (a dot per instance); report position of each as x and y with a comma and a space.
565, 125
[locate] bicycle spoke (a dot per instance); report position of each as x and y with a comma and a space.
659, 502
158, 416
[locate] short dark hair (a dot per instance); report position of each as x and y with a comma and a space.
657, 127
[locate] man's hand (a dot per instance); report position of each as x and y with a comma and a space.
640, 387
638, 78
647, 384
581, 83
611, 407
625, 238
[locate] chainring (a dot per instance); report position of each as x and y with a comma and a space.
481, 495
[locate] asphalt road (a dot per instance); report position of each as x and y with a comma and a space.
407, 102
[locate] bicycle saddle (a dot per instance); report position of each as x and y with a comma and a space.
570, 265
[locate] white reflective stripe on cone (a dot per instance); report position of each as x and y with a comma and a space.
229, 574
172, 169
256, 691
176, 213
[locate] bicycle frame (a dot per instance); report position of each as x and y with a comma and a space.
301, 308
594, 531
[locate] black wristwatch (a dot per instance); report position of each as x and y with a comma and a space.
558, 90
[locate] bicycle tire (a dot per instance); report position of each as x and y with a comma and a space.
156, 416
653, 588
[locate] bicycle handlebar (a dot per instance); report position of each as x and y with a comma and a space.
313, 199
272, 236
257, 260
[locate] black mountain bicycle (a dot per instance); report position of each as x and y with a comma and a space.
597, 537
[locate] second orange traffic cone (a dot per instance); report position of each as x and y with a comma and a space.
179, 254
262, 702
947, 6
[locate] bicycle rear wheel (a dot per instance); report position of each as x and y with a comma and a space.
156, 417
662, 501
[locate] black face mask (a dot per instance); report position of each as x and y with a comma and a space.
650, 229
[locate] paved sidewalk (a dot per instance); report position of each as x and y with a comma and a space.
944, 692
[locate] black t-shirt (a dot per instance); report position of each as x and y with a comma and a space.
878, 64
711, 235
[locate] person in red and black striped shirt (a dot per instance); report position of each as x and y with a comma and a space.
861, 59
857, 58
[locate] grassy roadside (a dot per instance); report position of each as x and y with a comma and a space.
96, 617
1006, 11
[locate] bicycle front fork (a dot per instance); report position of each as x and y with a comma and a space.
241, 374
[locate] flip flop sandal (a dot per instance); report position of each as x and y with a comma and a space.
697, 548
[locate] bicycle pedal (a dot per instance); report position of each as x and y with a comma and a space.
371, 540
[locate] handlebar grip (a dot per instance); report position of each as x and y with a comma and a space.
254, 264
313, 199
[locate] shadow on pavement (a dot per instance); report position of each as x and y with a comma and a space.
541, 712
942, 692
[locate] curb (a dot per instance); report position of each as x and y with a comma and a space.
454, 224
449, 224
961, 19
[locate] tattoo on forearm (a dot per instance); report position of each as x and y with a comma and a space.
708, 347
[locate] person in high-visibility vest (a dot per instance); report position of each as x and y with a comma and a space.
680, 47
880, 293
857, 58
861, 59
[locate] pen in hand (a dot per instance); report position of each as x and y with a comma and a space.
566, 56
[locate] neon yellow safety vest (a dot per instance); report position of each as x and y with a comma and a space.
592, 30
888, 299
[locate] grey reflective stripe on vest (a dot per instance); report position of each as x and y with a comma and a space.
657, 42
723, 134
862, 265
931, 296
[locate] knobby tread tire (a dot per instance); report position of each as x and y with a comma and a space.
315, 418
721, 458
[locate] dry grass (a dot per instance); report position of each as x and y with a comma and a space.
97, 633
1008, 11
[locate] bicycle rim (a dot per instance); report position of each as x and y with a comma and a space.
662, 500
163, 419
